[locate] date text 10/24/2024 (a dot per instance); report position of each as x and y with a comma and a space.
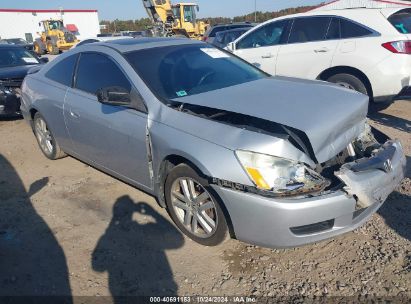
203, 299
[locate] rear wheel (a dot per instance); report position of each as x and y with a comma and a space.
45, 139
351, 82
193, 206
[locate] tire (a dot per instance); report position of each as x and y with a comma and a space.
47, 143
53, 49
38, 49
350, 81
200, 214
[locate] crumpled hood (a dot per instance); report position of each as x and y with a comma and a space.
329, 115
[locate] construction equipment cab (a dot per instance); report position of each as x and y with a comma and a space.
54, 38
175, 19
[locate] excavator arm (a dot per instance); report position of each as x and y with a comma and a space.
158, 10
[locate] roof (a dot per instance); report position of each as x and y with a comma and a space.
9, 10
344, 4
128, 44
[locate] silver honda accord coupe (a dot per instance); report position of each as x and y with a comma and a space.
227, 149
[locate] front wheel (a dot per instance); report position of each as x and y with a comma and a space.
38, 49
45, 139
193, 207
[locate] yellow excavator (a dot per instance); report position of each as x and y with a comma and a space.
175, 19
54, 38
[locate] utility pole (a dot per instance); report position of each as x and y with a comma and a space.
255, 11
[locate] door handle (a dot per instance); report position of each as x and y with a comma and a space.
322, 50
74, 114
267, 56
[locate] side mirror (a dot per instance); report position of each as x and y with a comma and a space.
231, 47
43, 60
115, 96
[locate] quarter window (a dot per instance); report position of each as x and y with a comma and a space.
352, 30
267, 35
97, 71
309, 29
62, 72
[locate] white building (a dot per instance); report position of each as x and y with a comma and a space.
342, 4
19, 23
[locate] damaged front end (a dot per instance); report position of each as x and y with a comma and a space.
369, 170
10, 94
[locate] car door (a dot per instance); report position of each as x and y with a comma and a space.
260, 46
308, 51
111, 137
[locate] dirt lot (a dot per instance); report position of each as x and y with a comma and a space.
68, 229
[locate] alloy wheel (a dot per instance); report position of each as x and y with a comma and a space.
43, 136
194, 207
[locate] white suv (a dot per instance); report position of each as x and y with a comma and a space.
363, 49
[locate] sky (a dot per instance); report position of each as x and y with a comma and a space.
133, 9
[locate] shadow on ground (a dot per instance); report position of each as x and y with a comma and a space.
132, 251
32, 263
396, 213
387, 119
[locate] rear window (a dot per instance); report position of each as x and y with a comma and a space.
183, 70
401, 20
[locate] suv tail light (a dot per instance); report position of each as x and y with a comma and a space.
398, 47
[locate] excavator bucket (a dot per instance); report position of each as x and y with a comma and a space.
158, 10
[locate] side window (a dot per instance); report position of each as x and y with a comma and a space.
219, 37
96, 71
62, 72
351, 30
309, 29
334, 29
267, 35
216, 30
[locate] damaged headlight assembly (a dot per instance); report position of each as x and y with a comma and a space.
280, 176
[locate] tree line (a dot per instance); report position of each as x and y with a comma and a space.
145, 23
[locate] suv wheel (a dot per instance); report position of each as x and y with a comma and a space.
193, 206
350, 82
45, 139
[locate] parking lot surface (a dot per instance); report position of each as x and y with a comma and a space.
68, 229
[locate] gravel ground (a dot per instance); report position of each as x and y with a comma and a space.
68, 229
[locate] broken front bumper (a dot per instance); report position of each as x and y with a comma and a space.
277, 223
372, 180
9, 103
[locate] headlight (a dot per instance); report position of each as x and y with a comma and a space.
280, 175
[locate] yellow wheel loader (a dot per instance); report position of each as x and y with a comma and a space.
175, 19
54, 38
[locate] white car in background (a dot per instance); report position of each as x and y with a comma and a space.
367, 50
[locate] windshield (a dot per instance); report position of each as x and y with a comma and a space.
16, 57
401, 20
183, 70
55, 25
189, 13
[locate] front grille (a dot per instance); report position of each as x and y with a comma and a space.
11, 82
